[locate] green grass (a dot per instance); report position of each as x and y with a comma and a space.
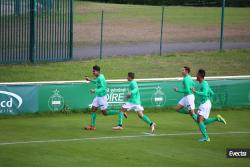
144, 151
235, 62
87, 12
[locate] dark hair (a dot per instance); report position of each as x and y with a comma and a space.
187, 69
131, 75
96, 68
201, 73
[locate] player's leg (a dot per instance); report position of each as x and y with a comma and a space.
193, 114
120, 119
191, 106
122, 114
103, 103
203, 129
92, 126
95, 106
139, 109
180, 108
106, 112
203, 114
218, 118
110, 112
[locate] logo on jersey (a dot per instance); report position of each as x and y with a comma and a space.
56, 101
158, 98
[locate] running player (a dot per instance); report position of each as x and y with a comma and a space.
206, 93
100, 101
186, 105
134, 103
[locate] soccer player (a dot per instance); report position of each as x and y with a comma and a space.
134, 103
206, 93
186, 105
100, 101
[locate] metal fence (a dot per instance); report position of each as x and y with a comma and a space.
35, 30
102, 29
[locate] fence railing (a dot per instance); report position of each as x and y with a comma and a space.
35, 30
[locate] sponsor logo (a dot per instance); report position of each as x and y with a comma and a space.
115, 97
158, 98
9, 102
56, 101
238, 153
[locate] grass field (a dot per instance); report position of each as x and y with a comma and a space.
141, 23
174, 145
235, 62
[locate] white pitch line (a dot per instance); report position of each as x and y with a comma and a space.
116, 137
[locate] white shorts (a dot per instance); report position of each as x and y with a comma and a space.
131, 106
188, 102
204, 109
100, 102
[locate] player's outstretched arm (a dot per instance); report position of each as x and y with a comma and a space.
91, 80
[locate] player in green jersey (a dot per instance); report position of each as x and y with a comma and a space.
206, 93
100, 101
133, 103
186, 105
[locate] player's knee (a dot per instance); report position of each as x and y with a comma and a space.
140, 115
123, 110
199, 120
191, 112
94, 109
177, 109
104, 112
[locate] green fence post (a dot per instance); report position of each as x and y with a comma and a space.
32, 31
71, 30
162, 26
36, 6
222, 25
101, 40
17, 7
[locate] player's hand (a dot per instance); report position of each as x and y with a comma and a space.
92, 91
193, 89
176, 89
87, 79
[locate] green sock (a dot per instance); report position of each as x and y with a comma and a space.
112, 112
210, 120
203, 130
184, 111
120, 118
146, 119
93, 118
194, 116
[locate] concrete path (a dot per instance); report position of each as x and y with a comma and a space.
153, 48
